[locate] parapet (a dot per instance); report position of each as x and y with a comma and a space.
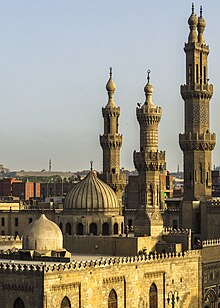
208, 243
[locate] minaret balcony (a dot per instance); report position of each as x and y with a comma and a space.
111, 140
196, 141
154, 161
196, 90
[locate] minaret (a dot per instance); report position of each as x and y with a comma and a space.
149, 162
111, 142
197, 142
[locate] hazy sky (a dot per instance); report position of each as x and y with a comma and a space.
54, 65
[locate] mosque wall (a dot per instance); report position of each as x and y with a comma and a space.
90, 283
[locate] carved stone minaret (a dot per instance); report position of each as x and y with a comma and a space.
197, 142
149, 162
111, 142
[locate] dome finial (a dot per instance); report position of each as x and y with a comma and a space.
201, 27
148, 75
200, 10
110, 72
91, 165
192, 8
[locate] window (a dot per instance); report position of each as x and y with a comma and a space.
61, 226
153, 296
19, 303
116, 228
175, 225
112, 299
30, 220
3, 221
68, 228
79, 229
105, 229
65, 303
93, 228
197, 73
3, 232
16, 221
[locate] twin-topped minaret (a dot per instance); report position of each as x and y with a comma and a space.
111, 142
197, 142
149, 162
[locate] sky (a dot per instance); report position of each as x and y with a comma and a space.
54, 65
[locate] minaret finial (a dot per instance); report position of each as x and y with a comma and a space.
192, 8
91, 165
110, 87
200, 10
148, 75
110, 72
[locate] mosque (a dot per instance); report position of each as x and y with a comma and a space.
81, 256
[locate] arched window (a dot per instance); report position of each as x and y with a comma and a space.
153, 296
68, 228
105, 229
197, 73
79, 229
122, 228
115, 228
210, 298
200, 172
190, 73
150, 195
205, 79
61, 226
93, 229
112, 299
19, 303
65, 303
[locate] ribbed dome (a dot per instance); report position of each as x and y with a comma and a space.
91, 194
42, 235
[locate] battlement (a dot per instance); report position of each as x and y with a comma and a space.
171, 231
209, 243
9, 239
103, 262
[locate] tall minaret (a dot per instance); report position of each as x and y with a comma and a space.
197, 142
111, 142
149, 162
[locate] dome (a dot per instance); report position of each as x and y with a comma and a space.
42, 235
91, 195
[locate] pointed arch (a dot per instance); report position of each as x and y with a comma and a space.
18, 303
65, 303
68, 229
79, 229
105, 229
153, 296
115, 228
93, 228
112, 299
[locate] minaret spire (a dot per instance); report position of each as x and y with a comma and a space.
110, 87
201, 27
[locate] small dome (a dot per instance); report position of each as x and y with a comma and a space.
148, 89
193, 20
42, 235
201, 22
91, 195
110, 86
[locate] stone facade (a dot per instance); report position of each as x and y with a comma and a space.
89, 283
